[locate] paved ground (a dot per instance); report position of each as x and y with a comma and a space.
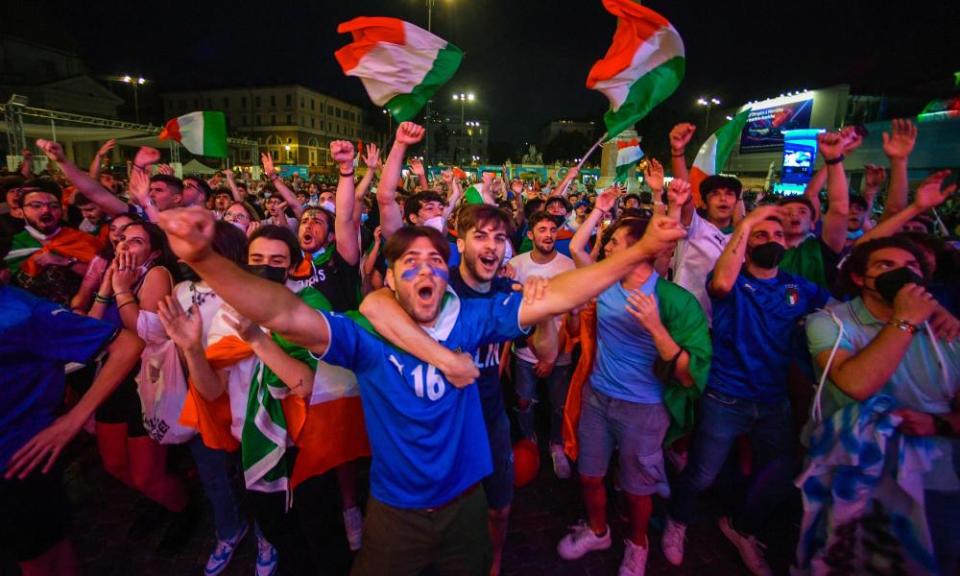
104, 510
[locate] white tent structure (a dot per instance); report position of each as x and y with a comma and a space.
197, 167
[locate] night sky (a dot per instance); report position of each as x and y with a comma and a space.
526, 60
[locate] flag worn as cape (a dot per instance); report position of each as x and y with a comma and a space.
26, 248
685, 321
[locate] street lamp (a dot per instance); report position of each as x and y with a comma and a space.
463, 98
136, 83
708, 103
389, 122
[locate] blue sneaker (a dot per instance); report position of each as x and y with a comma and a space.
266, 557
223, 553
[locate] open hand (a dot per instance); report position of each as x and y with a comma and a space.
899, 142
186, 330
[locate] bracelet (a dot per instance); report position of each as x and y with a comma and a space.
121, 293
139, 167
833, 161
348, 175
680, 155
903, 325
273, 177
130, 301
103, 299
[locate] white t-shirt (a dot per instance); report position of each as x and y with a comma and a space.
525, 267
695, 257
189, 293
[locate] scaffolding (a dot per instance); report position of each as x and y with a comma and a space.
16, 109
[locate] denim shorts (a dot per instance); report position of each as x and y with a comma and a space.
636, 430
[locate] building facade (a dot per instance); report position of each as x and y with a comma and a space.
293, 123
458, 142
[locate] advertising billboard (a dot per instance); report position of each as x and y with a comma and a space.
765, 126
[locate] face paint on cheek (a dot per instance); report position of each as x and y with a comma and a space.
409, 275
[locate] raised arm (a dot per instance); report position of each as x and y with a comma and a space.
874, 177
416, 166
679, 200
928, 195
408, 134
285, 192
897, 145
680, 137
346, 229
454, 193
812, 191
838, 212
232, 184
561, 189
392, 322
576, 287
372, 160
728, 266
601, 209
266, 303
88, 186
97, 161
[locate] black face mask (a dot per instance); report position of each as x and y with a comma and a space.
891, 282
271, 273
767, 255
187, 273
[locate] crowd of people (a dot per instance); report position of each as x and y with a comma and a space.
326, 341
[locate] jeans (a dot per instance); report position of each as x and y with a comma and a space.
216, 469
557, 384
770, 430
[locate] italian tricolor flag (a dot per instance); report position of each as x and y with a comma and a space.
628, 154
644, 65
713, 155
401, 65
202, 133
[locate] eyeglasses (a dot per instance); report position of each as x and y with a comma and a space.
238, 217
37, 205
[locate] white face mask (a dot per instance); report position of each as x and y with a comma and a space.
329, 206
436, 223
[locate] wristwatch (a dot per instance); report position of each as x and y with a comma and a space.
903, 325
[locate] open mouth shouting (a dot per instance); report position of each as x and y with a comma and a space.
489, 262
425, 291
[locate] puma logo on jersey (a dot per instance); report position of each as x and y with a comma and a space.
396, 363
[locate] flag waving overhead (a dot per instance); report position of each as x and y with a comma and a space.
713, 155
401, 65
644, 65
628, 154
202, 133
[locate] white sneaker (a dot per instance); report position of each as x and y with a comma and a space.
561, 466
634, 559
581, 540
674, 534
353, 522
750, 549
267, 558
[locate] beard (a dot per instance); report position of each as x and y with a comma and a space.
45, 224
